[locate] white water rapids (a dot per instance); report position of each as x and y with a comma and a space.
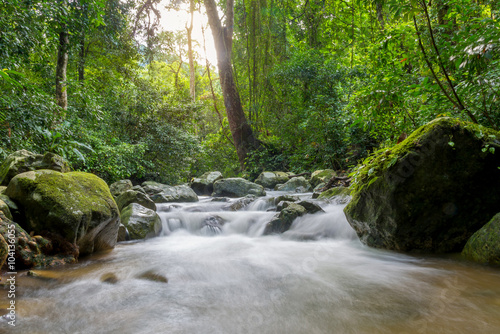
316, 278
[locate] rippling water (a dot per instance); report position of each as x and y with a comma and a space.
241, 282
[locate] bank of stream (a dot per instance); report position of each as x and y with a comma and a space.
315, 278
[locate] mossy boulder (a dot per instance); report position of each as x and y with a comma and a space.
484, 245
271, 179
204, 185
321, 176
237, 187
429, 193
141, 222
131, 196
36, 251
76, 206
297, 184
282, 221
162, 193
119, 187
24, 161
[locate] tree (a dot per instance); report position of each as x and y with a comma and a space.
243, 137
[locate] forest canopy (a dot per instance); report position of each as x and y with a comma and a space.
321, 82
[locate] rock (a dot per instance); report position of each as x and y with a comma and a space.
429, 193
335, 192
310, 206
5, 209
131, 196
282, 221
123, 234
239, 204
162, 193
141, 222
237, 187
36, 251
322, 176
484, 245
119, 187
150, 275
109, 278
76, 206
271, 179
204, 185
297, 184
24, 161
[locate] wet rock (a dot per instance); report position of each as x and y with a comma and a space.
109, 278
282, 221
76, 206
429, 193
25, 161
204, 185
141, 222
131, 196
296, 184
271, 179
322, 176
162, 193
484, 245
119, 187
237, 187
311, 207
150, 275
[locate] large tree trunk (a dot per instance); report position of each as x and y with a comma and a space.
62, 64
243, 137
192, 82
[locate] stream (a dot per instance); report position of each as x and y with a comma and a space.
315, 278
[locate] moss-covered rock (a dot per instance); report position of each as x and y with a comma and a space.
119, 187
141, 222
24, 161
237, 187
77, 206
271, 179
162, 193
204, 185
429, 193
36, 251
131, 196
282, 221
321, 176
484, 245
297, 184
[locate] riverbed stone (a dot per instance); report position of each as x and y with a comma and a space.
76, 206
321, 176
131, 196
204, 185
237, 187
271, 179
119, 187
484, 245
24, 161
141, 222
162, 193
282, 221
297, 184
429, 193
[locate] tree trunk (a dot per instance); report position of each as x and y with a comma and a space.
243, 137
192, 82
62, 64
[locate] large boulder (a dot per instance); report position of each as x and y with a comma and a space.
76, 206
297, 184
237, 187
25, 161
282, 221
429, 193
204, 185
162, 193
141, 222
271, 179
484, 245
119, 187
322, 176
131, 196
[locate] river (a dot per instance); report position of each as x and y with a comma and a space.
316, 278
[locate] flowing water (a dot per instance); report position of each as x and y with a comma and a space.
225, 277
